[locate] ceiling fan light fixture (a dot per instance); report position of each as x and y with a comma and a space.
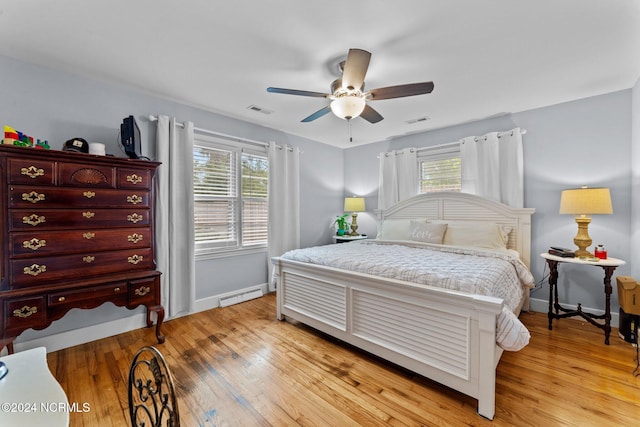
348, 107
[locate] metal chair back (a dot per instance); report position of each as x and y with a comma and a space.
152, 399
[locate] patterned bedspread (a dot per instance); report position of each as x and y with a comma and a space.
499, 274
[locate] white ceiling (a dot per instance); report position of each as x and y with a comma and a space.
485, 57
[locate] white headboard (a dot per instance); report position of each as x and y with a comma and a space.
469, 207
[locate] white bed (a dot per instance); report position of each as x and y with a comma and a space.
446, 335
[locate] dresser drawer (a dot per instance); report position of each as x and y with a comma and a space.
93, 295
37, 271
24, 313
78, 175
42, 243
49, 197
144, 291
36, 219
134, 178
31, 172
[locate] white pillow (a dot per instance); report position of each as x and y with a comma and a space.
396, 229
425, 232
475, 233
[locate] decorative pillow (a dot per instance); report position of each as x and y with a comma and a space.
427, 232
475, 233
396, 229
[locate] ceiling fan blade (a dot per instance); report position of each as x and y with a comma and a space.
401, 91
355, 68
297, 92
317, 114
370, 115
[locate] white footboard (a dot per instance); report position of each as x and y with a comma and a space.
443, 335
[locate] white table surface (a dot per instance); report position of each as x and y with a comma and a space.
348, 237
609, 262
30, 394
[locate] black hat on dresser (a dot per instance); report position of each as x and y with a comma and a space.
79, 145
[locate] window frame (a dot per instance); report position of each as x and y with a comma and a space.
239, 149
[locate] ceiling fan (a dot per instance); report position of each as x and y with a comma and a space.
348, 96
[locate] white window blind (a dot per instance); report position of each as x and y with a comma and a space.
230, 191
255, 208
439, 169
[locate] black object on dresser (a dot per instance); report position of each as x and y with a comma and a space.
77, 231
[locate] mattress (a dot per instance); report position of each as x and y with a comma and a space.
496, 273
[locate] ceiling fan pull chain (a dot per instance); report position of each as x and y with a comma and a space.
349, 123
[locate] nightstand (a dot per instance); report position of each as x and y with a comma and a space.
345, 239
556, 311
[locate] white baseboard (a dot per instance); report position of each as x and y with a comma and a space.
542, 306
84, 335
79, 336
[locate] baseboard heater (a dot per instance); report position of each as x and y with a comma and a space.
241, 297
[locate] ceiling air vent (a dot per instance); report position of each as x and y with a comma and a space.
259, 109
418, 120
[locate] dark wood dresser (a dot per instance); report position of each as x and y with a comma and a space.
77, 231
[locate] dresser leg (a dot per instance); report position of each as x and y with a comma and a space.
159, 310
7, 343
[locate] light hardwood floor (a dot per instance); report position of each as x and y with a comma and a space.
239, 366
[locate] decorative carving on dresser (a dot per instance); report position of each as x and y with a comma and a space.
77, 231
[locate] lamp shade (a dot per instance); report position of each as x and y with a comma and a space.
354, 204
586, 201
348, 106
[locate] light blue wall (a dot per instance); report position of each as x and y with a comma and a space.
635, 181
57, 106
581, 142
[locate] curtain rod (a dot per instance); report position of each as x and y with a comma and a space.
451, 144
222, 135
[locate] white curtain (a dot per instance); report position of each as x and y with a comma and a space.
492, 167
284, 202
174, 216
398, 178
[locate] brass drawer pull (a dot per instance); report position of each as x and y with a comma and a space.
88, 215
32, 172
33, 219
134, 199
134, 179
116, 290
33, 197
34, 269
89, 235
88, 259
89, 194
135, 259
142, 291
134, 238
25, 311
61, 299
134, 218
34, 244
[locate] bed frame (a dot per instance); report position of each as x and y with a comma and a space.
444, 335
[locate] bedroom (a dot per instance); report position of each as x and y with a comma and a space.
600, 134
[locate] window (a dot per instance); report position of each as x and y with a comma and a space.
230, 190
439, 169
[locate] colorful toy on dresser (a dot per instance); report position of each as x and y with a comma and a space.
14, 137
